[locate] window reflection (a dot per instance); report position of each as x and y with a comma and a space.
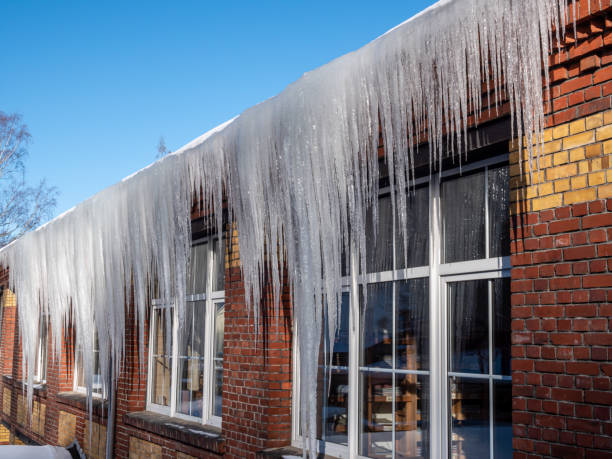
470, 418
469, 326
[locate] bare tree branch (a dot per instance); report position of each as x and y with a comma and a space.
22, 207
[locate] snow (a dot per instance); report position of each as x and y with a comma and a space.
300, 171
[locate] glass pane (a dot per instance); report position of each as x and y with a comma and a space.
377, 326
411, 416
501, 326
218, 359
79, 369
499, 211
196, 279
380, 247
341, 341
412, 324
469, 326
190, 385
379, 238
463, 217
377, 415
40, 368
161, 361
162, 369
333, 406
97, 384
502, 409
218, 275
417, 229
470, 436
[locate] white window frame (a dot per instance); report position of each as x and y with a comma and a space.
211, 299
439, 274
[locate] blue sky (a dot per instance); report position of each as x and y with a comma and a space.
99, 82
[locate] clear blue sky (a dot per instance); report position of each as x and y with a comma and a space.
99, 82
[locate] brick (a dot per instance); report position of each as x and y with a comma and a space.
572, 197
564, 226
602, 75
598, 280
585, 138
579, 253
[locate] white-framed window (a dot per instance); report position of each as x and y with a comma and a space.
98, 389
426, 373
186, 366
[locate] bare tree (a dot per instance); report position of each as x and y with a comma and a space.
22, 207
162, 149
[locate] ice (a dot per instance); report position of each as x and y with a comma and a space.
299, 171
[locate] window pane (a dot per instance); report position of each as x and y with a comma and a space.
469, 326
502, 409
380, 248
40, 369
218, 275
162, 361
417, 229
501, 324
196, 279
463, 212
333, 405
190, 385
379, 238
341, 341
377, 415
499, 211
377, 326
411, 416
470, 436
412, 324
96, 381
218, 359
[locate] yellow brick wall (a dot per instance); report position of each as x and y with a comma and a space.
39, 411
5, 435
66, 431
141, 449
22, 409
94, 445
6, 401
574, 166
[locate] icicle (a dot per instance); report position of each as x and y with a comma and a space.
300, 173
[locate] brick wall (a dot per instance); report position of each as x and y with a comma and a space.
257, 369
561, 257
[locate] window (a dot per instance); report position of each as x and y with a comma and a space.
97, 385
186, 365
40, 366
427, 374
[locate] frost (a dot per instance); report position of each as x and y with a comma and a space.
299, 171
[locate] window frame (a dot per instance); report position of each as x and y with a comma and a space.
211, 299
440, 274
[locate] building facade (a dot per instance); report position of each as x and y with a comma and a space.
490, 336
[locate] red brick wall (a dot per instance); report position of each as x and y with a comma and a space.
257, 370
562, 332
